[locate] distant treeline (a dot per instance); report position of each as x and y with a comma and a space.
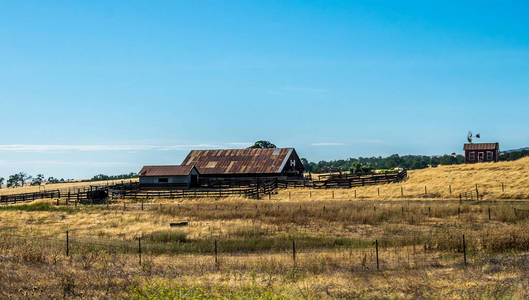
102, 177
508, 156
409, 162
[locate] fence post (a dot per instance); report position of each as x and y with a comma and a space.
489, 213
378, 191
310, 194
477, 193
450, 189
464, 250
502, 187
139, 249
332, 194
376, 247
355, 194
294, 252
216, 255
141, 203
425, 190
401, 192
67, 244
289, 195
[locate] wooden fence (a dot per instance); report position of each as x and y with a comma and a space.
132, 190
253, 192
348, 181
5, 199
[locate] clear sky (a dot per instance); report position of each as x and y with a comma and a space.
90, 87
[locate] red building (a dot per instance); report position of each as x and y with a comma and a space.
481, 152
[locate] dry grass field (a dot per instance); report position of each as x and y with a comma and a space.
444, 182
420, 243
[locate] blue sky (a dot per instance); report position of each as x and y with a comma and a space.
92, 87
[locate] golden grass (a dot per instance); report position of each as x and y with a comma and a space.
442, 182
420, 243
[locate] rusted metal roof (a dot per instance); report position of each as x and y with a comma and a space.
165, 170
482, 146
239, 161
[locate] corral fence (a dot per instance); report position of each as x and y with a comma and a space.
85, 195
133, 190
349, 180
137, 192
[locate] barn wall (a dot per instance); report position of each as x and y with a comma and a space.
171, 180
476, 153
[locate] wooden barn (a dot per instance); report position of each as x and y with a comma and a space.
481, 152
236, 165
169, 175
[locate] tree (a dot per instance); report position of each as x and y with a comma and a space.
306, 164
262, 145
38, 179
23, 178
52, 180
13, 180
360, 169
1, 181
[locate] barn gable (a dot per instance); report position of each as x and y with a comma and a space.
245, 161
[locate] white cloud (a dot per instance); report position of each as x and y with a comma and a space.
43, 148
327, 144
65, 163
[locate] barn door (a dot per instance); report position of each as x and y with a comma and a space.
194, 181
481, 156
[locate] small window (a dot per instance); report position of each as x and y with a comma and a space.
471, 156
490, 155
163, 180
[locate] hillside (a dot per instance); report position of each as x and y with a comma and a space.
439, 180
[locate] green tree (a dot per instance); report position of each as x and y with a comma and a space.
23, 178
262, 145
2, 179
359, 169
38, 179
52, 180
13, 180
306, 164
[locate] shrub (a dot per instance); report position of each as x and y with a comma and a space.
168, 236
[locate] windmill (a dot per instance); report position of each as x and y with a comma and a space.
470, 137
